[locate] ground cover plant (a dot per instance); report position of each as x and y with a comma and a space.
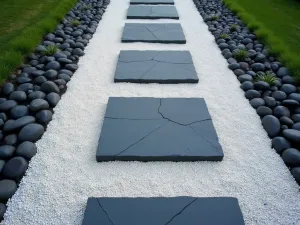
277, 22
22, 25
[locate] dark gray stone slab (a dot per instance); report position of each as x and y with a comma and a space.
152, 12
154, 129
152, 2
165, 67
161, 211
154, 33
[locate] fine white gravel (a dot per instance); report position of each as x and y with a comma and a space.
64, 173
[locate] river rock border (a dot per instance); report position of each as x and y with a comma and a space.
28, 99
277, 104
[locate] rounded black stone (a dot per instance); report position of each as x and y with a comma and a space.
290, 103
247, 85
6, 151
250, 94
53, 65
280, 111
18, 96
25, 87
291, 156
257, 102
31, 132
53, 99
279, 95
15, 168
295, 96
270, 101
296, 118
283, 71
11, 125
19, 111
7, 105
296, 174
26, 149
49, 87
44, 116
2, 210
272, 125
2, 163
296, 126
71, 67
11, 139
292, 135
79, 52
261, 85
38, 104
50, 74
39, 80
288, 88
64, 77
7, 189
8, 88
286, 121
36, 95
280, 144
263, 111
258, 67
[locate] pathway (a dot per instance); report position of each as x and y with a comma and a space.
65, 173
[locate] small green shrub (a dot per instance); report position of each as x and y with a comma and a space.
50, 50
240, 54
268, 77
214, 17
233, 27
224, 36
86, 7
75, 23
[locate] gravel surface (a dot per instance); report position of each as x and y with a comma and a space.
64, 172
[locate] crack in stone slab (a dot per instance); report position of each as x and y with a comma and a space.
184, 208
218, 150
105, 212
178, 122
141, 139
152, 32
120, 118
148, 71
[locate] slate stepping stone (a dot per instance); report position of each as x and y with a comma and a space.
152, 12
164, 67
153, 33
154, 129
152, 2
159, 210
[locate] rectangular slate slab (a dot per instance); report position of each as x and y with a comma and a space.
164, 67
152, 12
163, 211
153, 33
152, 2
154, 129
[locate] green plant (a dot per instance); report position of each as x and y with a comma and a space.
268, 77
75, 23
278, 33
50, 50
16, 44
224, 36
86, 7
240, 54
214, 17
233, 27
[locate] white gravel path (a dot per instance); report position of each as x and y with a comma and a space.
65, 173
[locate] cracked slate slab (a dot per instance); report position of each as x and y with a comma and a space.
152, 2
163, 211
153, 33
154, 129
164, 67
152, 12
